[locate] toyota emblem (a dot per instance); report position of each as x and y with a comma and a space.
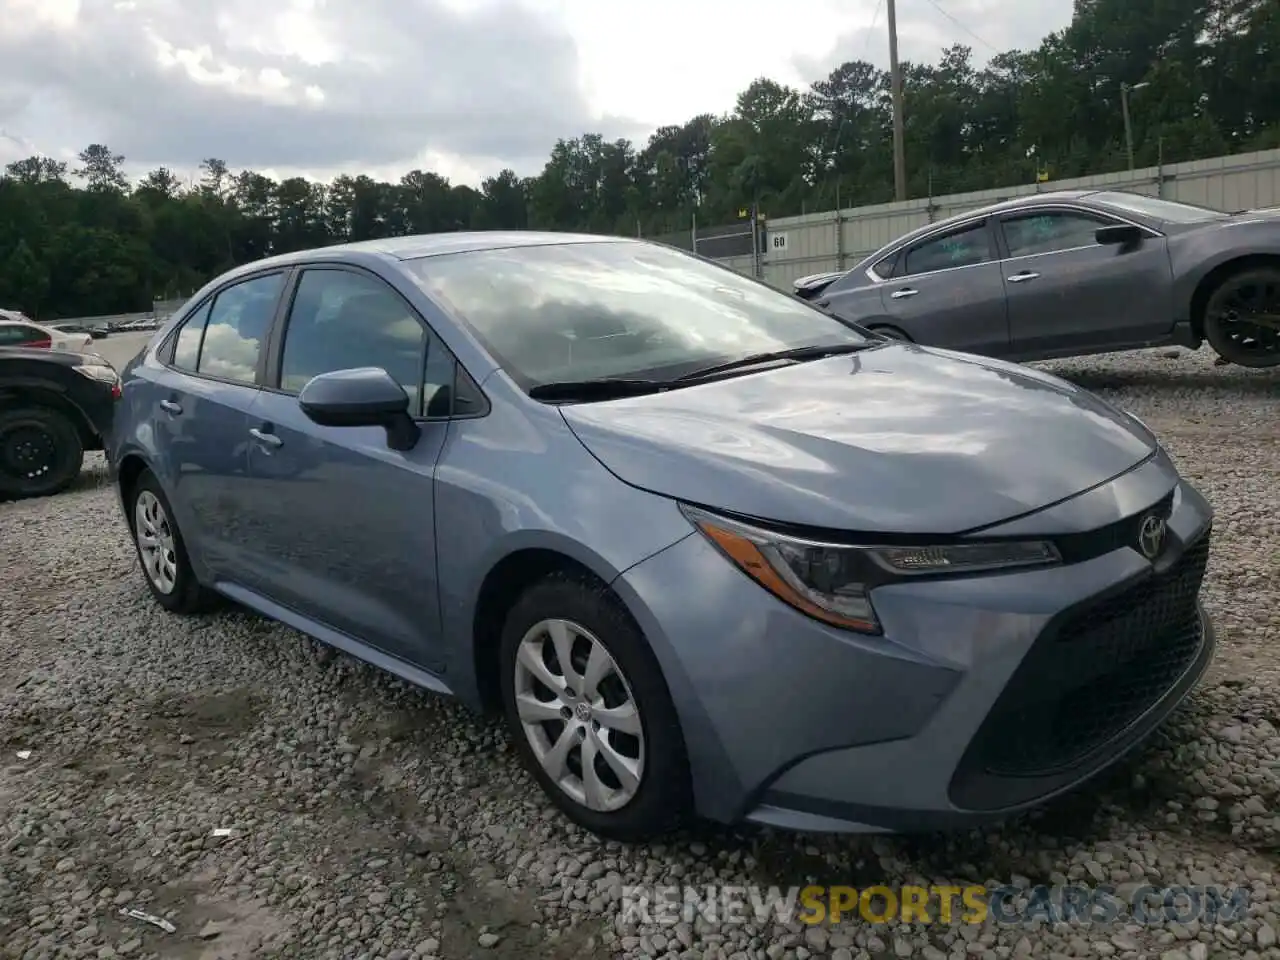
1151, 536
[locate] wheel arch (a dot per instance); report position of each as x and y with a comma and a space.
28, 394
1210, 281
506, 580
132, 466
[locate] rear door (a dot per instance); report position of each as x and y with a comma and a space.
346, 522
211, 374
946, 290
1067, 292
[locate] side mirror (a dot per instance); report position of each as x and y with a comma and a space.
361, 397
1119, 234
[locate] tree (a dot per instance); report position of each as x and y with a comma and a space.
1211, 70
100, 168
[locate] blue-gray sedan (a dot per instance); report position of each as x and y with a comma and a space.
710, 550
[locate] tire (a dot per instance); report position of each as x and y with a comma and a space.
661, 800
41, 452
178, 590
1226, 325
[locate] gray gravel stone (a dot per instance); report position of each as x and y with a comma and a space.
371, 820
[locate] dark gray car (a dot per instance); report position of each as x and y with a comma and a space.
1072, 273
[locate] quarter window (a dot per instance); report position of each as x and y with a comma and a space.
186, 352
1049, 232
237, 327
960, 248
341, 319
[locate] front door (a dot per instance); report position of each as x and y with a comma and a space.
1067, 292
348, 524
946, 291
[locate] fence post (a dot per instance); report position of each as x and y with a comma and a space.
693, 230
757, 270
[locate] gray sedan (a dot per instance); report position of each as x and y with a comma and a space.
1073, 273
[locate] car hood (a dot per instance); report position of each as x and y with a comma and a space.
899, 438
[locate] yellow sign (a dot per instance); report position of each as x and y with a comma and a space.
879, 904
1042, 176
742, 214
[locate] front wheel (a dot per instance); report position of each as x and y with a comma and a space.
1242, 318
41, 452
590, 713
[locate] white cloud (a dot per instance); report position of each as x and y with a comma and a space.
463, 87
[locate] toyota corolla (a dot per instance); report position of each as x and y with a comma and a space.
709, 550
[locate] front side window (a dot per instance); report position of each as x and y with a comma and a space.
581, 311
340, 320
236, 331
965, 247
1049, 232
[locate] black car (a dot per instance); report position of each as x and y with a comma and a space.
53, 407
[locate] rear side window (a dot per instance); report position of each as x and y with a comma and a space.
236, 329
16, 334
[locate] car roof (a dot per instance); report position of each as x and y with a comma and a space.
416, 246
1013, 203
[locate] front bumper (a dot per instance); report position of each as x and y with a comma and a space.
985, 696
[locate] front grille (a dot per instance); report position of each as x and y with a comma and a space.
1093, 673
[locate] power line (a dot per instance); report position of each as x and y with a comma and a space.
936, 6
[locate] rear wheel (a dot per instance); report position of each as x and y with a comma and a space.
162, 554
40, 452
590, 712
1242, 318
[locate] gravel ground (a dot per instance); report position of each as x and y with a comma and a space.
367, 819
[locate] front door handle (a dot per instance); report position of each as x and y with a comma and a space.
266, 439
903, 293
1024, 275
170, 406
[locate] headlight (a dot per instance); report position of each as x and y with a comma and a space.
832, 582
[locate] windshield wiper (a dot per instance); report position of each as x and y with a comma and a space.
797, 354
603, 388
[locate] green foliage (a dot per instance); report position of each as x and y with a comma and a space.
1210, 71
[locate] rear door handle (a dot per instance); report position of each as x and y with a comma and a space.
266, 439
1024, 275
169, 406
903, 293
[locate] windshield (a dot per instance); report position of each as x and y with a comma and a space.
582, 311
1166, 210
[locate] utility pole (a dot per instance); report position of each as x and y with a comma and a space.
895, 85
1125, 90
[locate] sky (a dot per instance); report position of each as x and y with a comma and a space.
461, 87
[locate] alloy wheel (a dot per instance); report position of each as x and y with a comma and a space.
1247, 310
579, 715
155, 542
